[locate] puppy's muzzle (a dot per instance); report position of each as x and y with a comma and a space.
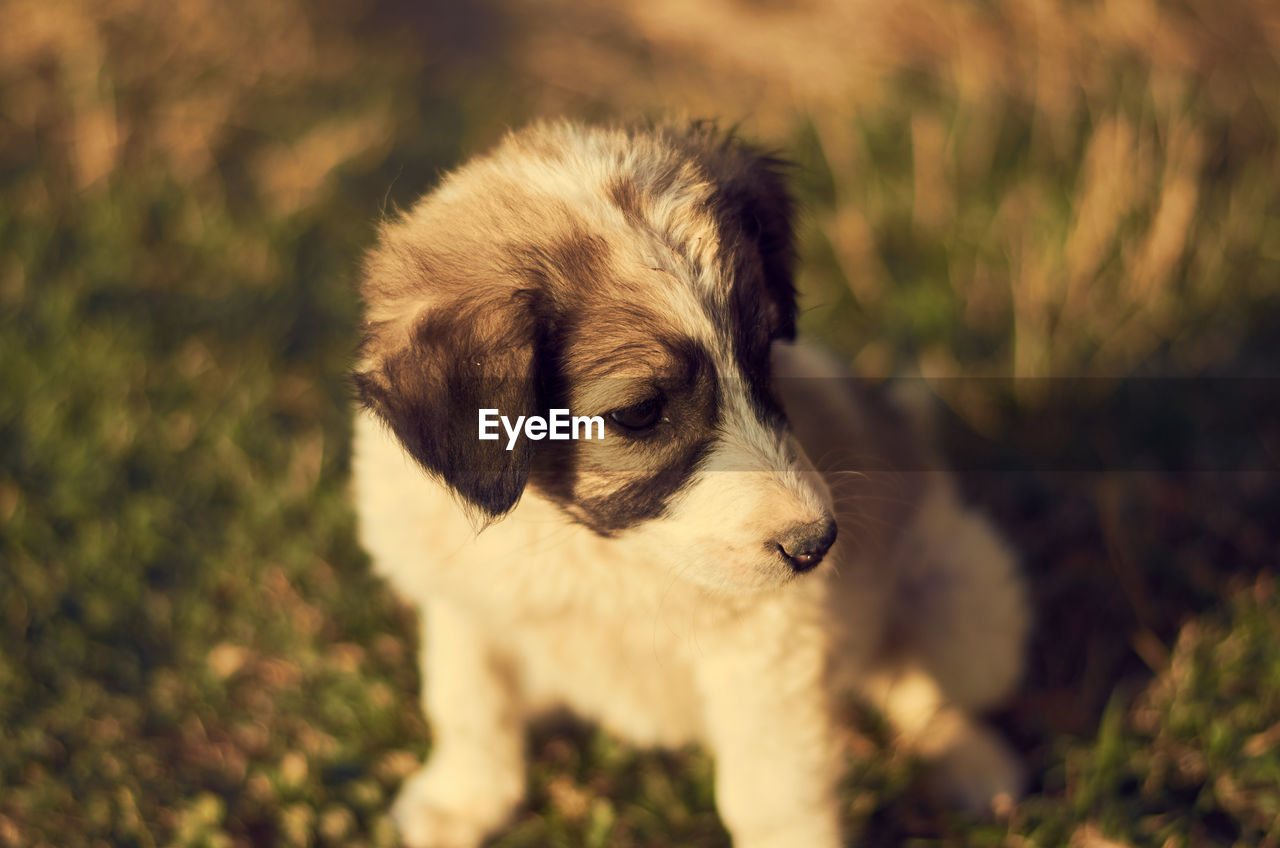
805, 546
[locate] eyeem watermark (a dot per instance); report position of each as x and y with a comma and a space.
560, 426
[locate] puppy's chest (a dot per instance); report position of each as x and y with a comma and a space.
588, 627
631, 674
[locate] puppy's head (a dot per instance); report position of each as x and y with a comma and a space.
640, 276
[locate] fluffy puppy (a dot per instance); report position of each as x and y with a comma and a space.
681, 579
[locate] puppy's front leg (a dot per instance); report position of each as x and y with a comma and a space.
769, 724
475, 774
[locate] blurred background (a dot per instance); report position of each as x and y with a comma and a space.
1001, 199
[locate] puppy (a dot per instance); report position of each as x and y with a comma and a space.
686, 574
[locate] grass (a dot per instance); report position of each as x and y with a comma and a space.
192, 650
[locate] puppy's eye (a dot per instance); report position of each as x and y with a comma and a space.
640, 417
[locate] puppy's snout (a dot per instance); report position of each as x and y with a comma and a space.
806, 545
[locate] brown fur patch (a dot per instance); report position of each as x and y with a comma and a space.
624, 195
429, 393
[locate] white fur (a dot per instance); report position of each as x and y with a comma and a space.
666, 634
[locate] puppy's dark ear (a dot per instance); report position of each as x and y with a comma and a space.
429, 386
752, 198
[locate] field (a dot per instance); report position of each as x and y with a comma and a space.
1061, 216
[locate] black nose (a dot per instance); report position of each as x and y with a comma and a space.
806, 545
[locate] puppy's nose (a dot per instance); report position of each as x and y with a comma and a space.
806, 545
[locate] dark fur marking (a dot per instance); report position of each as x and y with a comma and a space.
482, 355
650, 470
624, 195
753, 211
568, 271
647, 498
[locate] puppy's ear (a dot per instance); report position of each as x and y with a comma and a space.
429, 386
752, 197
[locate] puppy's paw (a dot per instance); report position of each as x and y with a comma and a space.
425, 820
977, 772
